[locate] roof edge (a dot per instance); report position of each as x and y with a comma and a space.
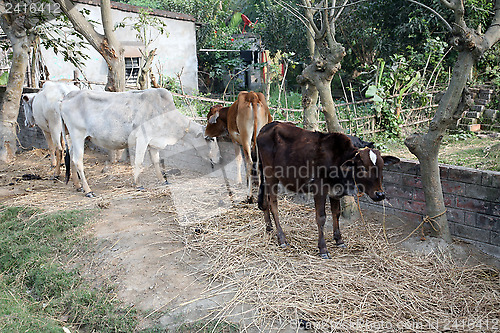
137, 9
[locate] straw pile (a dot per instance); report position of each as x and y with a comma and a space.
370, 286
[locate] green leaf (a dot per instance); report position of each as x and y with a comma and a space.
371, 91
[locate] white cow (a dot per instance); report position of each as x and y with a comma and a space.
43, 109
109, 118
165, 130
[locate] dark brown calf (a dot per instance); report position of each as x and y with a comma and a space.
318, 163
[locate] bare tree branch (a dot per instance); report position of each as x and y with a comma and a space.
310, 17
434, 12
342, 9
298, 15
81, 24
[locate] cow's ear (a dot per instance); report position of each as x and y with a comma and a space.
213, 118
390, 160
26, 98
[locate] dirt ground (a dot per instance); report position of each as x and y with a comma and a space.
140, 236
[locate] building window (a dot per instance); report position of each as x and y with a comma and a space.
132, 67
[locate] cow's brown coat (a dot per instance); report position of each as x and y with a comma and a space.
317, 163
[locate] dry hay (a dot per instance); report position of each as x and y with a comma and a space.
370, 286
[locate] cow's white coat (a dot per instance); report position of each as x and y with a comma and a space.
112, 120
43, 109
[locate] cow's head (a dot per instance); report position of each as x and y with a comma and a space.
27, 103
365, 169
215, 126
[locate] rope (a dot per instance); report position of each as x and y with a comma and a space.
426, 219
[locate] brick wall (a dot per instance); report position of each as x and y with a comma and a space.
472, 199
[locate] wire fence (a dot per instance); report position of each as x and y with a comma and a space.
358, 117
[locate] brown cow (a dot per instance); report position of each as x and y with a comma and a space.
243, 120
317, 163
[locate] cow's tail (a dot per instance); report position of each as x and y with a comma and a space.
255, 108
67, 163
67, 157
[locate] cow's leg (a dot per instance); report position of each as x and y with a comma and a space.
335, 206
239, 160
247, 151
155, 158
140, 151
319, 204
77, 158
273, 206
52, 148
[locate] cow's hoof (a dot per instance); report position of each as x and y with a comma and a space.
141, 188
325, 256
342, 246
284, 245
90, 195
80, 189
54, 178
166, 182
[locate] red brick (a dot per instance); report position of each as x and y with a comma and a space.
453, 187
495, 238
475, 205
491, 178
465, 175
443, 171
412, 181
398, 191
395, 202
470, 218
488, 222
391, 177
450, 200
482, 192
411, 217
414, 206
472, 233
418, 194
455, 215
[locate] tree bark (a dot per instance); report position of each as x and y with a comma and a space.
326, 57
16, 29
107, 45
426, 146
471, 46
309, 103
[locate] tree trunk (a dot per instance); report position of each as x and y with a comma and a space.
143, 79
426, 146
13, 27
328, 106
116, 73
309, 103
107, 45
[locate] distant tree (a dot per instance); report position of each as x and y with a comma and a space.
106, 44
148, 28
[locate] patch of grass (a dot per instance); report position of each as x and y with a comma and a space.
461, 148
477, 153
38, 293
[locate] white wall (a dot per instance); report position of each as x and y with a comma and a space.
174, 54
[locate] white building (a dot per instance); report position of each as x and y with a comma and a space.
175, 54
